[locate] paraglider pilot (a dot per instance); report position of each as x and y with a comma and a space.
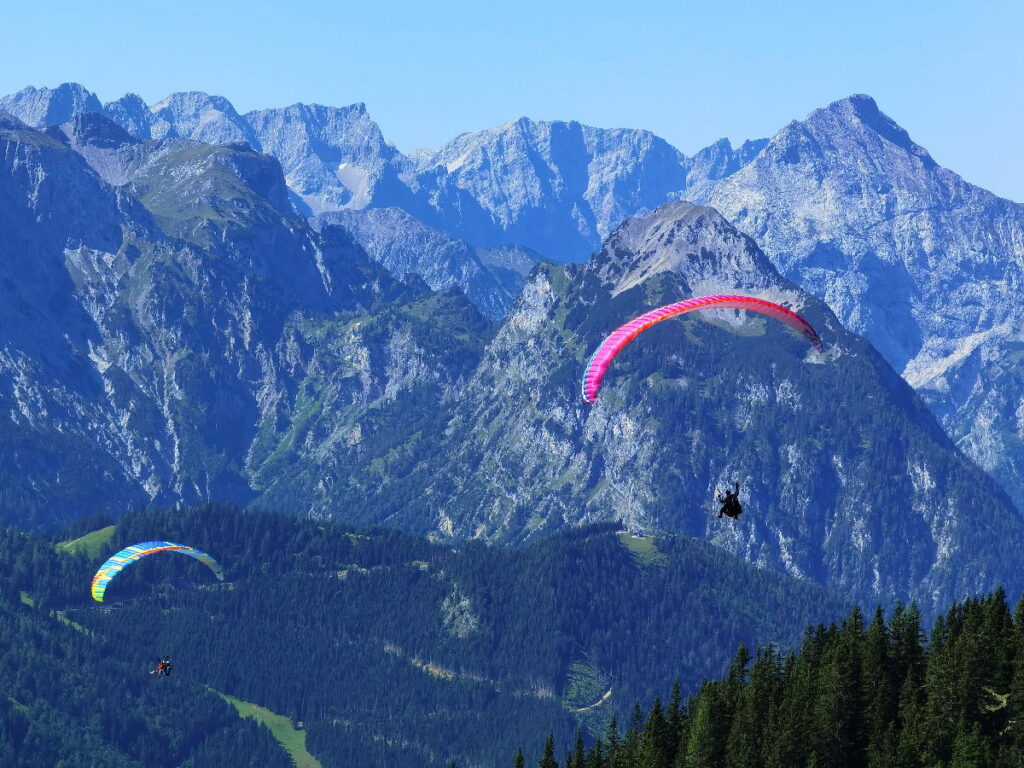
730, 502
163, 667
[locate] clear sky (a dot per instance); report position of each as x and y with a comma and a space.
952, 74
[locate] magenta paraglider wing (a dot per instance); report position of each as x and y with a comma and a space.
624, 334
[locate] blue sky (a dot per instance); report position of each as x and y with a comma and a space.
950, 73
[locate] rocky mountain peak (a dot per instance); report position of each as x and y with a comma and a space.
906, 253
691, 241
333, 157
132, 114
852, 133
197, 115
862, 109
558, 187
341, 134
50, 106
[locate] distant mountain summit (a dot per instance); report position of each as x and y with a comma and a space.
905, 252
195, 115
46, 106
333, 157
557, 188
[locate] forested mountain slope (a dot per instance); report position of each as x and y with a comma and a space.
389, 649
67, 699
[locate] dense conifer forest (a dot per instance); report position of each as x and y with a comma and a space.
387, 648
66, 700
860, 694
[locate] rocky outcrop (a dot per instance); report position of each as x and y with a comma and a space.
925, 265
491, 280
150, 329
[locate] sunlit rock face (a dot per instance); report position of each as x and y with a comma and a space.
161, 306
925, 265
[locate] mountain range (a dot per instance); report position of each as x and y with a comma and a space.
279, 308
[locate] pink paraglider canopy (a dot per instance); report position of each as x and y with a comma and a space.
624, 334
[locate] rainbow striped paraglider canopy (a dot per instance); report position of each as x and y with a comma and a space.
129, 555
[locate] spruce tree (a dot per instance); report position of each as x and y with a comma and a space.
674, 717
614, 747
907, 644
579, 755
968, 748
1015, 728
880, 693
548, 758
653, 746
758, 704
630, 747
787, 744
701, 749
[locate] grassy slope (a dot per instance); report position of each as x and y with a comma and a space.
643, 548
90, 544
290, 738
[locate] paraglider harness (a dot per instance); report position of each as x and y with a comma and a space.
730, 502
163, 667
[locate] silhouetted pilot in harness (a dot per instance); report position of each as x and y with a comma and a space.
163, 667
730, 502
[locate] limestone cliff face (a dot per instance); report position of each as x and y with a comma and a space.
153, 322
925, 265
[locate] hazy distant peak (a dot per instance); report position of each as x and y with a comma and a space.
96, 130
132, 113
50, 106
200, 116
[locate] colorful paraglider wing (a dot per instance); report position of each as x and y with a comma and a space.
621, 336
129, 555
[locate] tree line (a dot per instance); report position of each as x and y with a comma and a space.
860, 694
